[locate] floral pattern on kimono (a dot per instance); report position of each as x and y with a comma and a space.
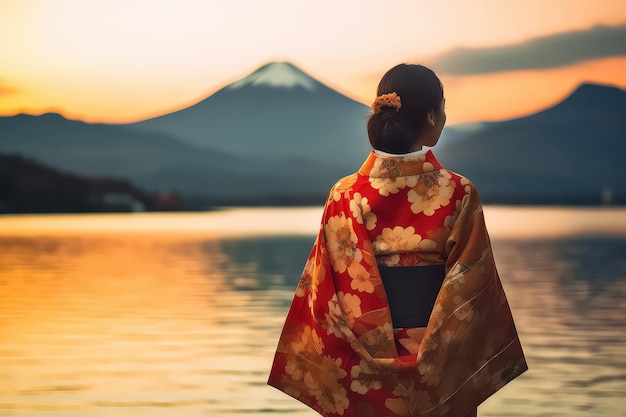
339, 352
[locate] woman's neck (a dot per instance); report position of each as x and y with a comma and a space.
414, 153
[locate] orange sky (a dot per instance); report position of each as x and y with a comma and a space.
124, 60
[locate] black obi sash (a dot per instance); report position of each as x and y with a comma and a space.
411, 292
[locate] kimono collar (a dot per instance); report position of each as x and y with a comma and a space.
387, 166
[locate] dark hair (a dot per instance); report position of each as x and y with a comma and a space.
420, 92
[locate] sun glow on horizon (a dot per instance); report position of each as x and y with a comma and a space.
124, 61
532, 91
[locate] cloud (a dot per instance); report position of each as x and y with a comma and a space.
539, 53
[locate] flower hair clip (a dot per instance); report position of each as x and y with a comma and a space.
386, 100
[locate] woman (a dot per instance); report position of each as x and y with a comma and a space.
400, 310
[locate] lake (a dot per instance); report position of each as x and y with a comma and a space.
178, 314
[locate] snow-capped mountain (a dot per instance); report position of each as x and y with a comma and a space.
276, 113
277, 74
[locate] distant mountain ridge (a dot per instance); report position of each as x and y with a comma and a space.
29, 187
279, 135
152, 160
571, 152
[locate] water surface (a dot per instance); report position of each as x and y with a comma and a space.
169, 315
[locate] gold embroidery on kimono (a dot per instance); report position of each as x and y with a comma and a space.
339, 352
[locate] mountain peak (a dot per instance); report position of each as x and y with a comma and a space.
591, 93
592, 88
277, 74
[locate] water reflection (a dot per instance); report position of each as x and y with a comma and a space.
167, 325
140, 324
569, 299
587, 274
598, 261
265, 262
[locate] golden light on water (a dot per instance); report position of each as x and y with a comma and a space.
551, 222
230, 222
502, 221
90, 323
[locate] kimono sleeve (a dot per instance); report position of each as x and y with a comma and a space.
471, 348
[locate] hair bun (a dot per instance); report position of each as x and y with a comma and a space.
387, 100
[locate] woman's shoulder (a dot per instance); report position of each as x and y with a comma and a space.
461, 181
345, 183
341, 191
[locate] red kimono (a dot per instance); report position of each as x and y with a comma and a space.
339, 353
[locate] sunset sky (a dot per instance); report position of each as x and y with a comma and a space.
126, 60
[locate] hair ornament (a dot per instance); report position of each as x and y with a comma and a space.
386, 100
